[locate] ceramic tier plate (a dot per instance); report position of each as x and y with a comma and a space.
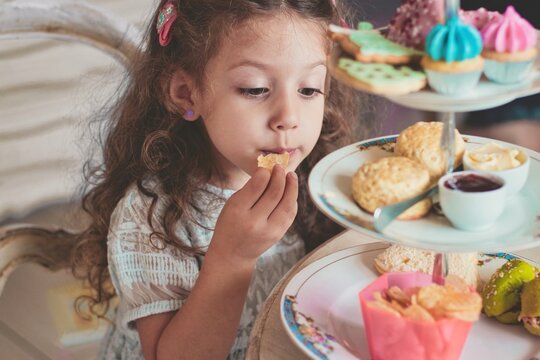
330, 188
321, 312
486, 95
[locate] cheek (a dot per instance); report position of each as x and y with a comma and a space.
312, 132
317, 122
315, 133
231, 136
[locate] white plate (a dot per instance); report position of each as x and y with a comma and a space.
325, 306
518, 228
485, 95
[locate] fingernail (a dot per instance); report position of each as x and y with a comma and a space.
293, 175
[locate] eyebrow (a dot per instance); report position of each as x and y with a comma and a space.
263, 66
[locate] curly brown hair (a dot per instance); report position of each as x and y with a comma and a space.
145, 136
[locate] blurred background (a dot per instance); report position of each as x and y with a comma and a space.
48, 92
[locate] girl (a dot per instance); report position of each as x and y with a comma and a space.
185, 229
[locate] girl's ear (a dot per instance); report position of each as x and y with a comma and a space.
182, 95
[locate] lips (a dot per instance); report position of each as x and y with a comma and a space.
291, 151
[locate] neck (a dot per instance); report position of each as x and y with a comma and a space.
235, 183
226, 175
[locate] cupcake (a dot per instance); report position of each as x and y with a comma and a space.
413, 20
479, 17
509, 47
452, 62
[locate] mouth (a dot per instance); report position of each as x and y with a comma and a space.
291, 151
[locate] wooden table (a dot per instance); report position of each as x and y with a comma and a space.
269, 339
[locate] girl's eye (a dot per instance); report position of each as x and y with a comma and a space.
253, 92
310, 92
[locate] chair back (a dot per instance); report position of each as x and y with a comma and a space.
32, 165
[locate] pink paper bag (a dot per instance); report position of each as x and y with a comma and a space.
393, 337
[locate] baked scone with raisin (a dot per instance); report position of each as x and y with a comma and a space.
389, 180
422, 142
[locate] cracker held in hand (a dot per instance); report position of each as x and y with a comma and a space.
268, 161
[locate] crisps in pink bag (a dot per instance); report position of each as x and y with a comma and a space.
393, 336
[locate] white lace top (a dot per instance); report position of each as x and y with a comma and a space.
151, 278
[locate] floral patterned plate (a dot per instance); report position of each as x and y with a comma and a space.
330, 184
321, 312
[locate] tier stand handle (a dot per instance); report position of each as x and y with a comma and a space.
448, 144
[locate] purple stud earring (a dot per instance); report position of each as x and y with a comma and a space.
188, 113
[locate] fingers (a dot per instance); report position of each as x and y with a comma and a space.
285, 212
272, 194
254, 188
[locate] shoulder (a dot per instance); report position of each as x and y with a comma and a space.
137, 217
133, 208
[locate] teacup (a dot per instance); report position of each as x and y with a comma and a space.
472, 200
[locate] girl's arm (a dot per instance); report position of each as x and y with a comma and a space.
205, 327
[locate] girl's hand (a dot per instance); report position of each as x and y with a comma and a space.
256, 216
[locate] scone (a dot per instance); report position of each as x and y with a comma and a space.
422, 142
268, 161
401, 258
390, 180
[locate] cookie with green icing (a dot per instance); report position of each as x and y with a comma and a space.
383, 79
368, 45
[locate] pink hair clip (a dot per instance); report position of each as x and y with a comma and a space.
342, 22
167, 16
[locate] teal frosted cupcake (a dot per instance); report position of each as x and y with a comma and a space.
452, 62
509, 47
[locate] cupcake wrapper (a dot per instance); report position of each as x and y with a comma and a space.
452, 83
391, 337
507, 72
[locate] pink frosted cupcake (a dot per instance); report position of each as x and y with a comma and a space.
509, 47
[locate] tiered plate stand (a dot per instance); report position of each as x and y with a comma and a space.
486, 95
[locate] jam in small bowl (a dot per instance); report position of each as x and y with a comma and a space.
472, 200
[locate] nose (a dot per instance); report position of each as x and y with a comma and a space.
285, 115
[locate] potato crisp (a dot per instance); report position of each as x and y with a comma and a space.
268, 161
432, 302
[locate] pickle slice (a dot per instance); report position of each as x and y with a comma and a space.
502, 293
